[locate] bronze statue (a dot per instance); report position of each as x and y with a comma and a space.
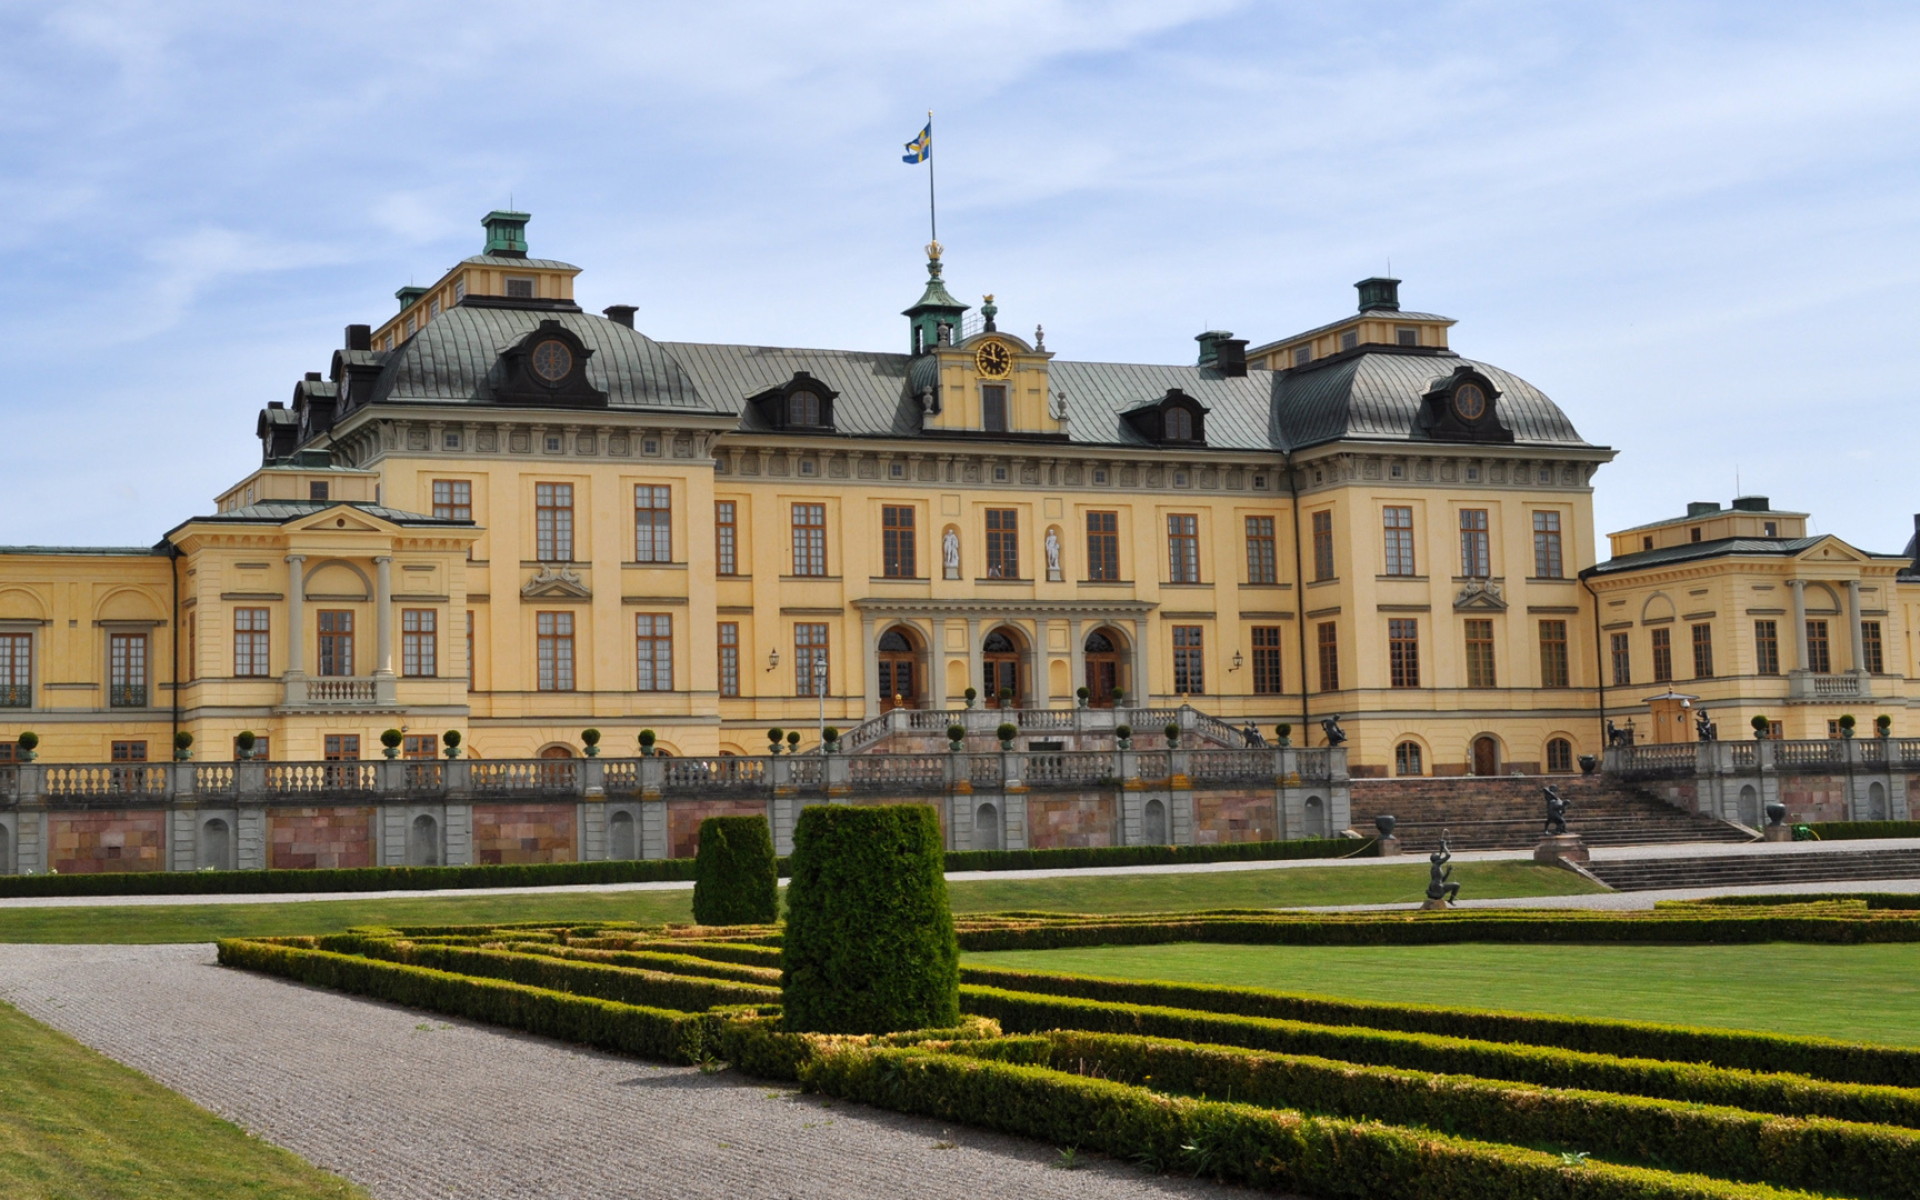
1705, 730
1556, 811
1335, 734
1437, 886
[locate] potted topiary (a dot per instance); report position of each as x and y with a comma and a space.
391, 740
1006, 694
1173, 734
591, 737
956, 738
829, 739
971, 696
1123, 736
1760, 726
1846, 724
25, 744
793, 741
646, 740
1119, 694
1883, 725
243, 743
773, 739
451, 740
183, 746
1006, 733
1283, 734
1083, 695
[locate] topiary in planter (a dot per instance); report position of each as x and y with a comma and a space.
1006, 694
451, 740
182, 746
736, 876
830, 739
1173, 733
971, 696
869, 945
390, 738
1119, 694
1760, 726
956, 736
1006, 733
773, 739
1123, 735
1846, 723
243, 743
1283, 734
793, 740
1883, 725
647, 739
1083, 695
591, 738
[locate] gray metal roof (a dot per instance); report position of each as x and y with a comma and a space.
1098, 393
1376, 395
510, 262
279, 512
874, 397
1718, 548
1378, 314
91, 551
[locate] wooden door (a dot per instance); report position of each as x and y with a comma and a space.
1486, 756
899, 669
999, 669
1103, 670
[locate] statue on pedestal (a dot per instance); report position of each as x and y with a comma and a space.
1556, 811
1053, 555
1438, 889
1331, 727
950, 553
1704, 729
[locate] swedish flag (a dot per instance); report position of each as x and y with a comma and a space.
920, 149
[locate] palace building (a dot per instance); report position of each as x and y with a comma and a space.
499, 514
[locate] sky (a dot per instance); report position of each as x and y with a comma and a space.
1693, 225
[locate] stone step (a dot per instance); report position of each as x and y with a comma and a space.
1747, 870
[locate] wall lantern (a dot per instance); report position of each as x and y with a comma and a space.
1237, 660
773, 658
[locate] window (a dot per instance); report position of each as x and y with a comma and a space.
1703, 652
1766, 647
554, 631
419, 643
652, 524
453, 499
1302, 355
553, 444
16, 670
1622, 661
1189, 671
1178, 424
1480, 654
1399, 529
1407, 759
993, 407
725, 539
553, 522
1476, 560
433, 308
1349, 339
1553, 654
1695, 534
1266, 660
418, 746
459, 290
1870, 644
896, 541
653, 652
1406, 337
519, 288
129, 752
1776, 731
336, 642
810, 660
1819, 655
1546, 545
729, 658
127, 670
1103, 545
1403, 652
1559, 757
1663, 656
810, 539
1646, 543
1261, 562
1323, 545
317, 490
469, 651
1329, 657
342, 747
1183, 548
1003, 543
803, 409
1769, 529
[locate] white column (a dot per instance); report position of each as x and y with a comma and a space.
870, 664
937, 665
383, 615
1805, 657
296, 615
1859, 633
1141, 693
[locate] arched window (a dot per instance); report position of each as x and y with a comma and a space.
423, 843
1559, 757
895, 642
998, 643
803, 408
1407, 759
1179, 425
986, 828
1099, 643
621, 841
1156, 824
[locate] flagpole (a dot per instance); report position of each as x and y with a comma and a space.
933, 218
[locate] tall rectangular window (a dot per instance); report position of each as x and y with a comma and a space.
653, 652
1003, 543
250, 643
1546, 545
1266, 660
729, 658
1403, 652
553, 522
1476, 558
341, 747
193, 646
1553, 654
809, 539
726, 539
127, 670
810, 663
1329, 657
1189, 667
652, 524
419, 642
1766, 648
1103, 546
16, 670
1870, 645
1399, 533
1703, 652
993, 407
1323, 545
554, 634
453, 499
1480, 654
1262, 566
1622, 660
336, 642
1819, 652
1183, 548
1663, 656
897, 557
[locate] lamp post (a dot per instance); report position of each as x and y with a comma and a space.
820, 690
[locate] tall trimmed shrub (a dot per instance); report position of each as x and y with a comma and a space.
736, 877
869, 946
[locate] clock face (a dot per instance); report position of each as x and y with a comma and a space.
993, 360
552, 360
1469, 402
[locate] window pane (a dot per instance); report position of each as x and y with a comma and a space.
1323, 546
553, 522
1870, 645
1662, 655
1766, 644
1183, 548
1819, 659
993, 408
1703, 652
810, 665
1189, 671
1003, 543
897, 550
1403, 652
810, 539
652, 524
1553, 654
1266, 660
1260, 556
653, 652
1475, 552
1398, 522
1622, 661
726, 561
1546, 545
1103, 546
729, 658
1480, 654
1329, 657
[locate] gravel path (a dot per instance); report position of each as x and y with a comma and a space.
409, 1104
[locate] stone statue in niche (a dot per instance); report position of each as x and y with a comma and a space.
1053, 555
950, 552
1440, 893
1556, 811
1331, 727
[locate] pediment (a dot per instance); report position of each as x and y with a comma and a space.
1831, 549
556, 583
1480, 595
343, 521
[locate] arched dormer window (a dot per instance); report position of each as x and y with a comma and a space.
803, 410
802, 404
1175, 417
1179, 425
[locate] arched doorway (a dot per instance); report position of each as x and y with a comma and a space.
986, 828
557, 752
1749, 807
1876, 802
1000, 669
1156, 824
1103, 668
1316, 817
899, 670
620, 839
423, 842
1486, 756
215, 839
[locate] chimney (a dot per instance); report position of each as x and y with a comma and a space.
1210, 345
1379, 294
313, 377
506, 234
1230, 354
620, 314
359, 337
1702, 508
1752, 504
1914, 545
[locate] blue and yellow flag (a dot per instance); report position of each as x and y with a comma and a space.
920, 149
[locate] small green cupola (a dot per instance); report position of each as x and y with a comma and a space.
935, 320
506, 233
409, 296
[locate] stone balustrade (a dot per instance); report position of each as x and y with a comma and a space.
1817, 779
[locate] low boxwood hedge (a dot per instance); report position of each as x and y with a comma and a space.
1135, 856
346, 879
656, 960
648, 989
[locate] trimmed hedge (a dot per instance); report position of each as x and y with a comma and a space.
647, 989
346, 879
869, 945
1133, 856
1875, 901
1822, 1058
1786, 1095
649, 960
736, 876
1817, 1153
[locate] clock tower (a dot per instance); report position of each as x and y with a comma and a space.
936, 311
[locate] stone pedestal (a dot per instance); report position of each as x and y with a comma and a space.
1558, 848
1435, 906
1777, 833
1389, 846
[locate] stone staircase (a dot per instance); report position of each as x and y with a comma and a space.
1756, 870
1507, 812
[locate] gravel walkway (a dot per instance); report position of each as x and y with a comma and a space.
409, 1104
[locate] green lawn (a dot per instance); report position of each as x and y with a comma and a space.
75, 1124
1278, 888
1863, 992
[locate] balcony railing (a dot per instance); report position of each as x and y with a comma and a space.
127, 695
16, 695
1681, 760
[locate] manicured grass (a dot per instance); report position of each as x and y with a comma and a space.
76, 1124
1862, 992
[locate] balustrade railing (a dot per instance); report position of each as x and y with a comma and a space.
426, 775
537, 777
340, 691
321, 778
1909, 751
1079, 769
1806, 754
93, 782
984, 770
713, 774
1153, 764
213, 779
897, 772
1230, 766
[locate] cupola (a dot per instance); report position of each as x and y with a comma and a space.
935, 320
506, 233
1379, 294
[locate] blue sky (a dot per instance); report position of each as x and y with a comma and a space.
1695, 226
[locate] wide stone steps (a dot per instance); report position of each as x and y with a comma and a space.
1423, 836
1509, 813
1756, 870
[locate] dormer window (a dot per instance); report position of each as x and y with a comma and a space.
1179, 425
1302, 355
1349, 339
1175, 417
802, 404
803, 410
1407, 337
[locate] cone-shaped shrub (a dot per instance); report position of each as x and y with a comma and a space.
736, 878
869, 946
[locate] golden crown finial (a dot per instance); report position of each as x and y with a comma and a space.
933, 250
